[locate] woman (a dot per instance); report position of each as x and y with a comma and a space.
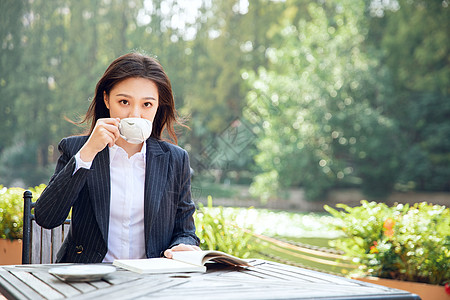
127, 200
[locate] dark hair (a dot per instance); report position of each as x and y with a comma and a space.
139, 66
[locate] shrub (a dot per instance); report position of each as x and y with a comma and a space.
217, 230
11, 210
403, 242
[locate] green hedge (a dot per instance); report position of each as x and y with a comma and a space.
11, 210
410, 243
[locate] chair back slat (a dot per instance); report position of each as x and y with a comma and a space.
57, 239
66, 230
40, 245
35, 243
46, 246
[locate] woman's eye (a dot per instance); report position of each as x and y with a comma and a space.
124, 101
148, 104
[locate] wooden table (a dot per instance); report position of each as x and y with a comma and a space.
266, 280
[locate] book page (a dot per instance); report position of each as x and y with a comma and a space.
224, 258
201, 257
192, 257
157, 265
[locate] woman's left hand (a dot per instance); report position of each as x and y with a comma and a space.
180, 247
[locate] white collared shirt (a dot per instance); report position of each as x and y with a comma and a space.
126, 238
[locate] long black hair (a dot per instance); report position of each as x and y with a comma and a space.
139, 66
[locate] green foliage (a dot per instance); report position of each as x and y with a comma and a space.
340, 93
419, 53
417, 57
217, 230
320, 107
402, 242
11, 210
18, 162
337, 107
10, 54
63, 48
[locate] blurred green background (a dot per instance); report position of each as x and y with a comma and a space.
289, 101
317, 95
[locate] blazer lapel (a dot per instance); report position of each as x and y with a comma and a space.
157, 163
100, 191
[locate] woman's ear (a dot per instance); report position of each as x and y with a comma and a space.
106, 99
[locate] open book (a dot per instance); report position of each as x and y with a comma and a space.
182, 261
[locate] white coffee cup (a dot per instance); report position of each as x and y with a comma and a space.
135, 130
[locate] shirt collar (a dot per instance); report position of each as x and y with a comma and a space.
113, 151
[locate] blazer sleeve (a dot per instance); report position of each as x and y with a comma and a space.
184, 229
53, 206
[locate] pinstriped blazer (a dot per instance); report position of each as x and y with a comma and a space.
168, 206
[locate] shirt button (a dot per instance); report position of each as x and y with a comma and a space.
79, 249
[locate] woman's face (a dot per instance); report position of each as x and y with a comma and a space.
133, 98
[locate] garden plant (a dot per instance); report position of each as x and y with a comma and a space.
217, 230
410, 243
11, 210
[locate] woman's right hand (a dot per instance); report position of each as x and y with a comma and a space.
106, 132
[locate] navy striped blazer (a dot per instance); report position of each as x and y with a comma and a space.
168, 216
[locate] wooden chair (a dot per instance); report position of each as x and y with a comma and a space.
39, 245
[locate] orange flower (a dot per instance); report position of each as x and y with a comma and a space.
389, 233
388, 227
373, 249
388, 223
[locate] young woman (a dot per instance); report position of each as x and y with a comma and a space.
127, 200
